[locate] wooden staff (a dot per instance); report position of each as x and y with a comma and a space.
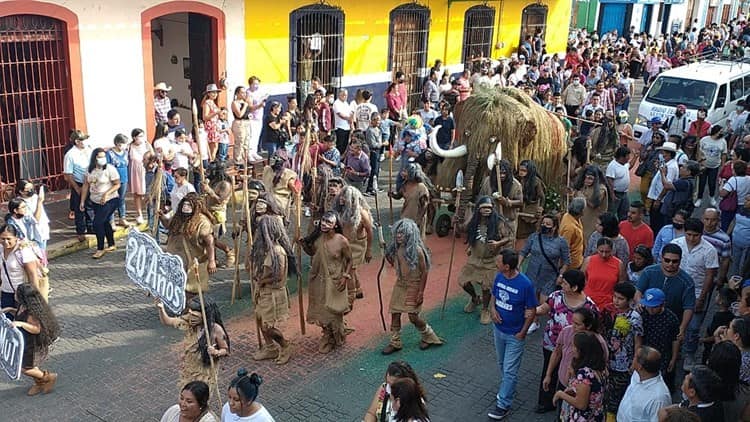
206, 332
197, 140
567, 183
157, 184
248, 261
459, 188
236, 285
390, 182
303, 163
576, 118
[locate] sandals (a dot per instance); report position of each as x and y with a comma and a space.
98, 254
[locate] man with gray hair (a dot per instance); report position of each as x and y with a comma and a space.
647, 392
343, 117
571, 228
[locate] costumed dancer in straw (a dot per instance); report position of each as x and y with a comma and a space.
327, 186
509, 200
593, 187
604, 142
487, 233
415, 191
280, 180
217, 198
356, 224
198, 351
191, 237
273, 259
409, 255
40, 329
329, 275
533, 200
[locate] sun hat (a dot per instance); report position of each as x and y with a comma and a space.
161, 86
211, 88
668, 146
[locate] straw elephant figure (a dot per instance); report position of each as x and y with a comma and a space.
500, 115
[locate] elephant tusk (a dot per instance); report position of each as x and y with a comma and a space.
457, 152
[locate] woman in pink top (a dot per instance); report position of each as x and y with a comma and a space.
603, 271
395, 102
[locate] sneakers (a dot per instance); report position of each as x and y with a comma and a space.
140, 220
698, 203
533, 327
485, 319
713, 202
498, 414
688, 362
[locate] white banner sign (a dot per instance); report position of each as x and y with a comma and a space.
159, 273
11, 348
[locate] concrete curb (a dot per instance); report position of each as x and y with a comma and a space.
70, 246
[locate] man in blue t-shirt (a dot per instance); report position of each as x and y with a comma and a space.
515, 302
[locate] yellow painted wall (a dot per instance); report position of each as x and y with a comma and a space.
366, 32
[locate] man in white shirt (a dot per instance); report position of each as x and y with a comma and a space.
342, 119
656, 191
618, 178
75, 167
647, 392
181, 186
363, 112
701, 261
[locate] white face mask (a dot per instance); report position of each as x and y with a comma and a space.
101, 161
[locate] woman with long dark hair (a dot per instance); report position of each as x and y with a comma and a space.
533, 200
607, 225
35, 206
100, 187
33, 316
593, 187
193, 405
408, 402
210, 116
584, 397
381, 408
19, 265
198, 352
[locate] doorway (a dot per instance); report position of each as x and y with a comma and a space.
409, 33
184, 57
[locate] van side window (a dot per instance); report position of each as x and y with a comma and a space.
735, 89
746, 84
721, 99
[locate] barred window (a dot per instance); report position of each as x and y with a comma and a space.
409, 32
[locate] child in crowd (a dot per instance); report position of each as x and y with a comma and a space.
623, 329
387, 126
660, 329
722, 318
224, 129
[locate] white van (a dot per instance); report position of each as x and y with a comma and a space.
715, 85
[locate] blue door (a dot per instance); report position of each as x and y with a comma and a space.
612, 17
646, 17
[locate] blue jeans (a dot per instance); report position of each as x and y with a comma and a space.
82, 218
223, 152
509, 351
102, 226
739, 255
269, 147
692, 335
374, 167
8, 300
121, 200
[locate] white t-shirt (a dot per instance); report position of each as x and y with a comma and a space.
166, 146
100, 181
261, 415
182, 153
341, 107
76, 162
203, 143
427, 115
14, 269
695, 262
713, 149
179, 192
620, 175
673, 172
739, 184
362, 114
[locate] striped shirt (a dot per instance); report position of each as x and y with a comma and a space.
721, 242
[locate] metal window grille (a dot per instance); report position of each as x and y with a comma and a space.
409, 33
317, 47
479, 26
534, 17
35, 99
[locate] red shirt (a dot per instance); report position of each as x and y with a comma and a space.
601, 277
637, 236
699, 128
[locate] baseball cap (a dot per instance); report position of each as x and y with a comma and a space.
77, 134
653, 298
655, 120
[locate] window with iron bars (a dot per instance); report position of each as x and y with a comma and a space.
479, 26
533, 22
36, 105
407, 52
317, 47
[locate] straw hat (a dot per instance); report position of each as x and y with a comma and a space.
161, 86
211, 88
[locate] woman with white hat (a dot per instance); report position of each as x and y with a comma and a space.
211, 118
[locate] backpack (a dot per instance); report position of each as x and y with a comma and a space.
684, 123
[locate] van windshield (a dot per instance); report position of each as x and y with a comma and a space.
671, 91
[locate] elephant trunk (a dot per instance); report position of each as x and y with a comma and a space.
457, 152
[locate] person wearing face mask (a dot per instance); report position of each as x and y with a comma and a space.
191, 237
487, 233
119, 158
670, 232
242, 405
700, 127
137, 173
666, 170
19, 216
714, 149
381, 408
199, 347
100, 187
573, 96
678, 123
75, 164
329, 274
35, 206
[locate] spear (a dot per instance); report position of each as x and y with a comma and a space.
156, 187
205, 329
236, 285
458, 189
303, 163
248, 261
381, 240
390, 182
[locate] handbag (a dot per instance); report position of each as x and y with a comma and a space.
549, 261
729, 202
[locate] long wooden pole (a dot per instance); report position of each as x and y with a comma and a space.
206, 332
453, 252
300, 296
248, 261
156, 184
390, 182
236, 285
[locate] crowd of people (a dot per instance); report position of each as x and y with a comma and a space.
622, 290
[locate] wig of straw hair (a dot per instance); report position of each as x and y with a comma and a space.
414, 173
269, 233
412, 243
350, 211
507, 115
